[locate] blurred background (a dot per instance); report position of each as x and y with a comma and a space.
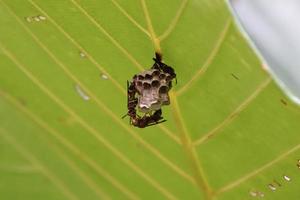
273, 29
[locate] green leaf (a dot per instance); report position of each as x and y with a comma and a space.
230, 131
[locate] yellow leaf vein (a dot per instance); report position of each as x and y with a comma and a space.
71, 147
45, 171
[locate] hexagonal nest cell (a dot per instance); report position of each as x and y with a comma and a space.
153, 87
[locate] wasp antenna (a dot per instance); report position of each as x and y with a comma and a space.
124, 115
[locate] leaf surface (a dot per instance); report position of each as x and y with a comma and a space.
229, 132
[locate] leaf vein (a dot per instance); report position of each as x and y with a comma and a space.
257, 171
74, 149
174, 21
129, 17
46, 172
215, 49
110, 37
232, 116
154, 39
189, 149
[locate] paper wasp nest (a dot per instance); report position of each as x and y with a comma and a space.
153, 87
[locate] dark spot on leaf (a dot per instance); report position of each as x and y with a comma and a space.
283, 102
234, 76
277, 183
22, 101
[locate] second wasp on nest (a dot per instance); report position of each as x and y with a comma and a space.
148, 91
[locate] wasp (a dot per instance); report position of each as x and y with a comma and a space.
163, 67
135, 119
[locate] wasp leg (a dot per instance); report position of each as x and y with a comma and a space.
155, 123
